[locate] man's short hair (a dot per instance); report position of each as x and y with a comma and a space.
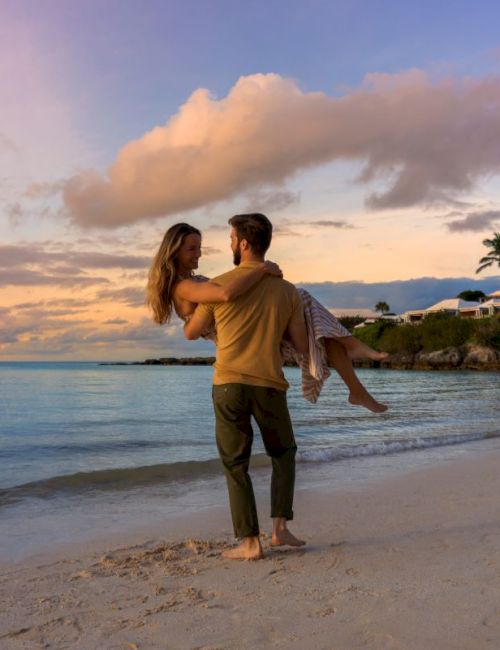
255, 228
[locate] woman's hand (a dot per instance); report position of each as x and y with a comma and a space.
270, 268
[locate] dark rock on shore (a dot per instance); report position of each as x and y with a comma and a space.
448, 359
166, 361
478, 357
186, 361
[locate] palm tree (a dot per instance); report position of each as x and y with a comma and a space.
382, 307
494, 254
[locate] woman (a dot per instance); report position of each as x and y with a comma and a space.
172, 285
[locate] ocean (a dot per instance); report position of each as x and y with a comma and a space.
87, 447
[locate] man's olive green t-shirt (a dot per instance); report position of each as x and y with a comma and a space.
250, 329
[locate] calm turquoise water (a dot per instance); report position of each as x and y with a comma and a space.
63, 419
86, 436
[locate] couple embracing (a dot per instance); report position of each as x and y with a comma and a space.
255, 317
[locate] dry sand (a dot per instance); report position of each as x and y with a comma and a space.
408, 563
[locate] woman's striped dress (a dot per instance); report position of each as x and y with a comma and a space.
320, 324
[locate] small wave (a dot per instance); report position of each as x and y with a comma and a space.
118, 479
189, 471
94, 446
382, 448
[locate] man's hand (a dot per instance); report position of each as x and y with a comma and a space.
271, 268
196, 325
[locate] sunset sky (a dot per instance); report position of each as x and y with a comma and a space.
368, 131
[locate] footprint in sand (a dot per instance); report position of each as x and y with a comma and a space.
351, 571
328, 611
335, 559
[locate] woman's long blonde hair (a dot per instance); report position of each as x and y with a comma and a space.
163, 272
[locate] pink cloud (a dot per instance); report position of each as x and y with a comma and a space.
428, 140
476, 222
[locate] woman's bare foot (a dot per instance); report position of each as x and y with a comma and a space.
366, 400
375, 355
356, 349
249, 549
367, 353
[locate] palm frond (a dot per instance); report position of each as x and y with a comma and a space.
483, 266
494, 254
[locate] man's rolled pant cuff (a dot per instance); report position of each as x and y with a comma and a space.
250, 533
276, 514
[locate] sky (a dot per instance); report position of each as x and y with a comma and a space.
368, 131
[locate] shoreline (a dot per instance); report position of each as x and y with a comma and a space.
386, 562
467, 357
37, 525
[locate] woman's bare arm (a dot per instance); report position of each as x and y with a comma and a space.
204, 292
196, 325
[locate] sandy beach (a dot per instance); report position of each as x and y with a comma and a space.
411, 562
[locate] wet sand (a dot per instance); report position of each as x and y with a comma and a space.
411, 562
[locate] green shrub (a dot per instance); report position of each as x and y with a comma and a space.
372, 334
439, 331
403, 338
435, 332
487, 332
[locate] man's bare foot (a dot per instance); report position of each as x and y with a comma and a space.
366, 400
282, 536
249, 549
285, 538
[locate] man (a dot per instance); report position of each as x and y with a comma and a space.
249, 381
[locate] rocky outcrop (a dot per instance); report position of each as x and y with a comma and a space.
478, 357
182, 361
399, 361
447, 359
467, 357
167, 361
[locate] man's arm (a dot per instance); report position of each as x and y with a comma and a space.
207, 292
296, 329
198, 323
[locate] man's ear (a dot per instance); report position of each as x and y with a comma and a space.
244, 245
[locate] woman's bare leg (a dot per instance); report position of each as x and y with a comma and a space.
358, 395
356, 349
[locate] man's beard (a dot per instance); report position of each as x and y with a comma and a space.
236, 257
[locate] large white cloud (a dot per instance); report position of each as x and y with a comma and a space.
428, 139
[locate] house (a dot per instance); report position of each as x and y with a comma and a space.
453, 306
458, 307
490, 307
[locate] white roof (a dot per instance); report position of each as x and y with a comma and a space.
453, 304
494, 294
492, 302
363, 313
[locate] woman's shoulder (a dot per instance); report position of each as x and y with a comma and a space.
192, 278
186, 281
